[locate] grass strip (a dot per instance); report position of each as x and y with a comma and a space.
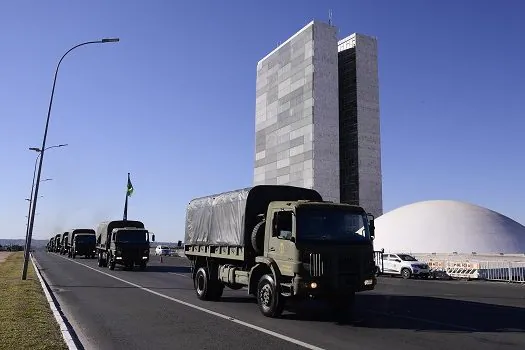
26, 320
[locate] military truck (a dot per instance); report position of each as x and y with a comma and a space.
82, 242
283, 243
50, 244
123, 242
58, 238
64, 243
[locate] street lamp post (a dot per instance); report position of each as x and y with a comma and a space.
43, 148
36, 149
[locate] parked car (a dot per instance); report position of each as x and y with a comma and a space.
404, 265
162, 250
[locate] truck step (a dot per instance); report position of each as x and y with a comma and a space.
286, 289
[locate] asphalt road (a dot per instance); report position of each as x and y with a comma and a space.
158, 309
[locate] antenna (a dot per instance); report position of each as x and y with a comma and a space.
330, 17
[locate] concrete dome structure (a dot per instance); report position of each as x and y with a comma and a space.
446, 226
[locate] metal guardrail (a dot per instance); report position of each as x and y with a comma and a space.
507, 271
465, 268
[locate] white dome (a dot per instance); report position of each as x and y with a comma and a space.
446, 226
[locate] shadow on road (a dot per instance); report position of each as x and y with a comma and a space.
240, 300
421, 314
168, 268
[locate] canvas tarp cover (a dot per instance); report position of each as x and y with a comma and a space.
105, 228
218, 219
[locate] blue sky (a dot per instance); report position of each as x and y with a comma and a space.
174, 103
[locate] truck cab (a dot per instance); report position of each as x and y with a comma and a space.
82, 242
321, 249
57, 247
64, 243
124, 243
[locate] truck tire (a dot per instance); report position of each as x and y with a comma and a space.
206, 288
111, 262
258, 237
99, 260
270, 301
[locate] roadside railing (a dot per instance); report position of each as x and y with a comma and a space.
499, 268
507, 271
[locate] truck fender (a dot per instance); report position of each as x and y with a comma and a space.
263, 265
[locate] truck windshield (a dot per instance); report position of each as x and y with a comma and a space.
132, 236
334, 224
85, 239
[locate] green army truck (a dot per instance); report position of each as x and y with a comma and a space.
82, 242
64, 243
123, 242
50, 244
283, 243
58, 238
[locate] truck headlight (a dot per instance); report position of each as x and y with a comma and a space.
313, 285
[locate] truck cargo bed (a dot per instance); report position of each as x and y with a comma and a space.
222, 223
213, 251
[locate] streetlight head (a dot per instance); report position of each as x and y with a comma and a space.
110, 40
36, 149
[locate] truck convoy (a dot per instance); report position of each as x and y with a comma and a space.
282, 243
82, 242
123, 242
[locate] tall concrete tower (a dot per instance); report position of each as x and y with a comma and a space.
297, 113
317, 116
359, 124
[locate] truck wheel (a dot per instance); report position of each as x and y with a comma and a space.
111, 263
201, 282
270, 301
100, 264
142, 266
258, 237
405, 273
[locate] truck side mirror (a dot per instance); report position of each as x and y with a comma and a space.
372, 227
153, 237
179, 244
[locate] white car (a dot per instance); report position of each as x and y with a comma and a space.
162, 250
403, 264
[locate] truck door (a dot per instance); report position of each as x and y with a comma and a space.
281, 246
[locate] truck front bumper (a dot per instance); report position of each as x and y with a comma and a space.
320, 287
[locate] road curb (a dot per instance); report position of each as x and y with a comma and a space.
66, 335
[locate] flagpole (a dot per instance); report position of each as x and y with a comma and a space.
125, 217
126, 208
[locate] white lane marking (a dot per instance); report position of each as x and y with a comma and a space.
225, 317
68, 339
424, 320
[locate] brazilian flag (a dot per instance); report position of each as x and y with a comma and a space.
130, 187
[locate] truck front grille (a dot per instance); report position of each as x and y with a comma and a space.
316, 265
